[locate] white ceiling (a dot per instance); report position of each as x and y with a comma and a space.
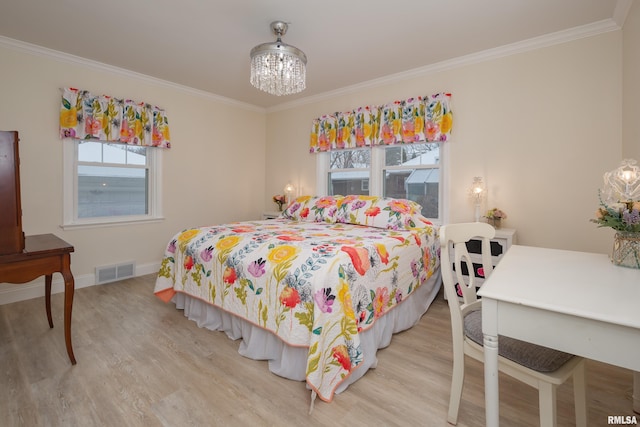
205, 44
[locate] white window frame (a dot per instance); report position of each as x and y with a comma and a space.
70, 192
376, 184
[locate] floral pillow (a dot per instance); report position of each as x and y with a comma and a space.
380, 212
314, 209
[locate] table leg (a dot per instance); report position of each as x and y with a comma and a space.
491, 385
69, 287
47, 298
491, 398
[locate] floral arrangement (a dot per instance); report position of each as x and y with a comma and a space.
620, 210
279, 200
621, 216
496, 214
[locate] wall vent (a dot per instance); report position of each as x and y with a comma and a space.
111, 273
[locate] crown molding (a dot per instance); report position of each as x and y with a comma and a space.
95, 65
547, 40
621, 11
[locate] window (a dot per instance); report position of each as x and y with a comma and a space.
109, 183
407, 171
349, 171
412, 171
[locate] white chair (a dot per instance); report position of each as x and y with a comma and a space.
539, 367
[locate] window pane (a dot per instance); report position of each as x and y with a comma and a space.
412, 154
419, 185
114, 153
136, 155
89, 151
350, 159
111, 191
344, 183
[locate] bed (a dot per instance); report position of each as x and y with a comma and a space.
317, 291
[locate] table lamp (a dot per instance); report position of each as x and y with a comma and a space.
477, 192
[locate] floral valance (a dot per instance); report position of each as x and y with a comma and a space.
87, 116
414, 120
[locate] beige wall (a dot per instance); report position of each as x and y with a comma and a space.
631, 84
541, 127
213, 174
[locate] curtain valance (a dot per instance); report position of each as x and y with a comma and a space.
87, 116
414, 120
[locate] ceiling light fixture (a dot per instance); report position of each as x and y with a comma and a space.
278, 68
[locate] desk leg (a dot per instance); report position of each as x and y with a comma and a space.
69, 287
492, 397
47, 298
491, 389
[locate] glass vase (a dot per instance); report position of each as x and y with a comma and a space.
496, 222
626, 249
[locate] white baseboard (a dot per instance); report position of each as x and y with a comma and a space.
13, 293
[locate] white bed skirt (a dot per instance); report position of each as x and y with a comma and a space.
291, 362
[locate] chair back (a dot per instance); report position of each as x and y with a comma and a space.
453, 241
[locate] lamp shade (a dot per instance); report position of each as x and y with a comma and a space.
622, 184
477, 189
278, 68
288, 192
477, 193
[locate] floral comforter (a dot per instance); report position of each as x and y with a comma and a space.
316, 285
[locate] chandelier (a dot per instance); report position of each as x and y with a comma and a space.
278, 68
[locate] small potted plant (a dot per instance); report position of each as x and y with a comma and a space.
279, 200
624, 218
495, 216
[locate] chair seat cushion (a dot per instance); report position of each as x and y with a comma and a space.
535, 357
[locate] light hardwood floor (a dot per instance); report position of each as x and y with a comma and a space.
142, 363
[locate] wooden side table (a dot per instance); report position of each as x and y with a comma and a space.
44, 254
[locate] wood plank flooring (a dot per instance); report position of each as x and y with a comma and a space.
142, 363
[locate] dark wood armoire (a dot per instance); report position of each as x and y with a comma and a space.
11, 235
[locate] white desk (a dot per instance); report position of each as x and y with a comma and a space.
576, 302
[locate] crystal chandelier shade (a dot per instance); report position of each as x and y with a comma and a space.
278, 68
